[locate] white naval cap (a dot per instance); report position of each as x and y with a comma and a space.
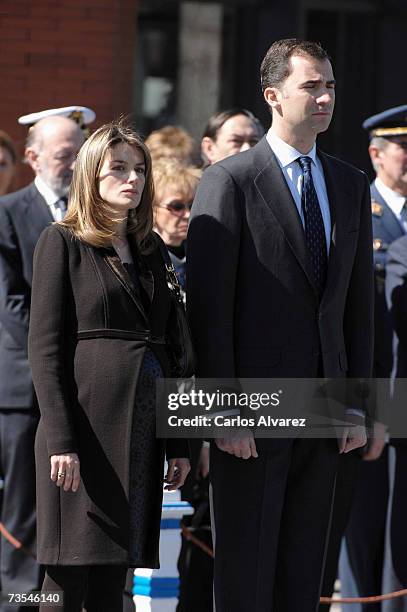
81, 114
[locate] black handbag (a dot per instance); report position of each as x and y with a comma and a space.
181, 349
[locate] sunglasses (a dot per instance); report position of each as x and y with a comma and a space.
177, 208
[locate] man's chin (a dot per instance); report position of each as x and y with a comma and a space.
322, 123
61, 192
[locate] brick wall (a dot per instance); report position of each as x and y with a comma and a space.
61, 52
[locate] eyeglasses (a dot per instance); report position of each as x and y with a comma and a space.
177, 208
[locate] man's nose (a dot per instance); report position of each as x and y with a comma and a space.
326, 97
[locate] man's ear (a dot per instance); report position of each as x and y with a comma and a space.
375, 155
31, 156
272, 96
207, 148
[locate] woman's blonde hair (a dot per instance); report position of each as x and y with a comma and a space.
169, 172
89, 217
173, 142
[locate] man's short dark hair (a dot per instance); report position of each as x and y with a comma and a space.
218, 119
276, 65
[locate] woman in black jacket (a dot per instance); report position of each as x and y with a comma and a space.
101, 309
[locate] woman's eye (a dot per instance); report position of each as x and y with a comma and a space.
119, 168
140, 171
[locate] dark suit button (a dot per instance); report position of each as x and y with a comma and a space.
315, 352
318, 316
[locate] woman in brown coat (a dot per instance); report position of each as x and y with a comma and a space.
100, 313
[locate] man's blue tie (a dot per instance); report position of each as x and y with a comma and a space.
314, 225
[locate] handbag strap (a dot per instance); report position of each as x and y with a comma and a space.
172, 278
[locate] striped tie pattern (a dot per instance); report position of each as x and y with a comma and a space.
314, 225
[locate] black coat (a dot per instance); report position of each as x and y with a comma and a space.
86, 348
23, 216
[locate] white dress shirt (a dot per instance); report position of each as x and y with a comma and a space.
50, 198
286, 156
395, 201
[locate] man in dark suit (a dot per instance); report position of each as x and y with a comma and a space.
363, 556
396, 294
284, 290
362, 509
51, 149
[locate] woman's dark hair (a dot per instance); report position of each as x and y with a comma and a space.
218, 119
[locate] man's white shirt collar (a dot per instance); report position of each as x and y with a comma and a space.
394, 200
46, 192
285, 153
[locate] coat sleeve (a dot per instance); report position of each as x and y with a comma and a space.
212, 264
47, 346
358, 319
14, 290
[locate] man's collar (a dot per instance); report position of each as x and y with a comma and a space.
395, 200
285, 153
46, 192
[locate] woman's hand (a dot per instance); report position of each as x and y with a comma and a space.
176, 474
65, 471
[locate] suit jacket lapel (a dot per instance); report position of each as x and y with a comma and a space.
339, 199
275, 192
37, 209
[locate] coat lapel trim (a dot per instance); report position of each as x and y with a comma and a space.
116, 266
273, 188
146, 276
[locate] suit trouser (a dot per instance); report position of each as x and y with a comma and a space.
272, 516
19, 571
365, 532
346, 483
